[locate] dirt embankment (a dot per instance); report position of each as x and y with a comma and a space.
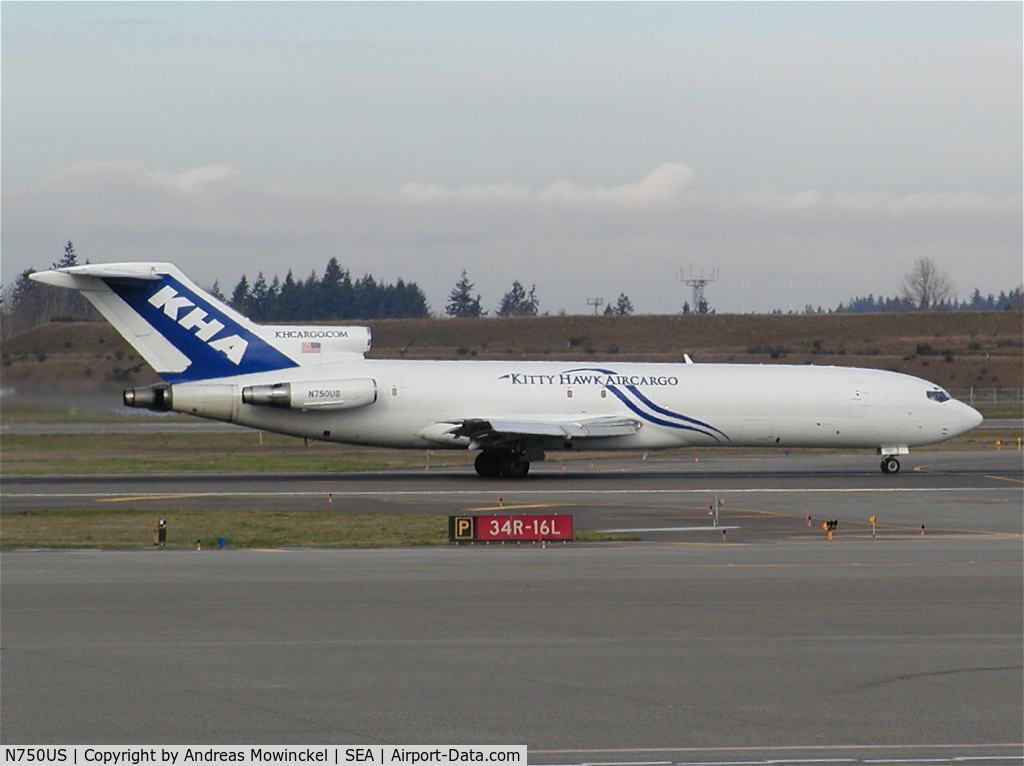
956, 350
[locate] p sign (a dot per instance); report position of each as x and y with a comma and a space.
461, 529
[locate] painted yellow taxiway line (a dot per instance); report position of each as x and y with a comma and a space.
519, 507
143, 498
1004, 478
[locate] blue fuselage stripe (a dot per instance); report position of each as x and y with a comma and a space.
633, 390
657, 421
657, 408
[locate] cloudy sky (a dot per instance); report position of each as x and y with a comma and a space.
808, 152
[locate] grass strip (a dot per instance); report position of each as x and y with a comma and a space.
242, 452
592, 536
135, 528
100, 453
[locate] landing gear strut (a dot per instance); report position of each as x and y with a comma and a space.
890, 465
494, 463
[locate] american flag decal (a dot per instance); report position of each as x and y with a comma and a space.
311, 348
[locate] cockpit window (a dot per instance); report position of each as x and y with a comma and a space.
938, 395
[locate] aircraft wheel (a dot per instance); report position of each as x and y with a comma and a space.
890, 465
488, 464
516, 468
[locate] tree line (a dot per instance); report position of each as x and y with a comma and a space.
518, 301
335, 295
32, 304
927, 288
976, 302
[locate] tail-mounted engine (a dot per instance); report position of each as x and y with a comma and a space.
317, 344
314, 395
152, 398
208, 400
221, 400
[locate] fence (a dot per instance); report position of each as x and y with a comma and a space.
978, 395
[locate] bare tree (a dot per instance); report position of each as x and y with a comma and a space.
925, 285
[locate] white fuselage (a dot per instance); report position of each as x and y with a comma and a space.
314, 382
736, 405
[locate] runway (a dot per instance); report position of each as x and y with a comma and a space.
772, 645
660, 653
661, 498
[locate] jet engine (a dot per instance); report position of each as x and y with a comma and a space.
314, 394
210, 400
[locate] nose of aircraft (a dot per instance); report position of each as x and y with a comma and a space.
967, 418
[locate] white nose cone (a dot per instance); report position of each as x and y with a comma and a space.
968, 417
974, 417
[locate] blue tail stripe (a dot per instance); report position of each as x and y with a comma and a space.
207, 362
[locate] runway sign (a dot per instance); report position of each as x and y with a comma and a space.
501, 529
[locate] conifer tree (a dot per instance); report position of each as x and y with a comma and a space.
518, 302
70, 258
461, 302
241, 297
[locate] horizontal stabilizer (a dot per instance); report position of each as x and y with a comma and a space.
145, 272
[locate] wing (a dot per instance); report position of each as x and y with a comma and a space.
495, 432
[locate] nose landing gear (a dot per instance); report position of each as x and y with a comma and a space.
890, 465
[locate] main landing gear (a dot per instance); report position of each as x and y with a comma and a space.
890, 465
492, 463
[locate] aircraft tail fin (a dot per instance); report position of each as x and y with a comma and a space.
182, 331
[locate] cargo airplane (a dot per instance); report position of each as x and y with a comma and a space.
314, 382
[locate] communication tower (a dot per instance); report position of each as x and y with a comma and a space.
697, 284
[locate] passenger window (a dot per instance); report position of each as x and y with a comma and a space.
938, 396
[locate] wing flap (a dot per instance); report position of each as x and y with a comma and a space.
496, 429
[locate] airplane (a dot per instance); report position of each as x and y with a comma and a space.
313, 381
